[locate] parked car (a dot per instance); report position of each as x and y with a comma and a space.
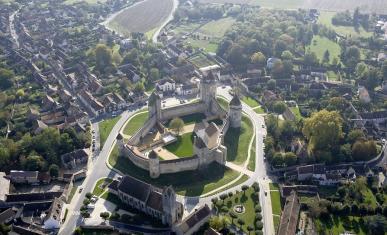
80, 190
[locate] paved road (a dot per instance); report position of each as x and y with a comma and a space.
259, 175
98, 169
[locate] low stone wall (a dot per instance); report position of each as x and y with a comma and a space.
139, 161
179, 165
148, 125
182, 110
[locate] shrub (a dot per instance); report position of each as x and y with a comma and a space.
256, 187
258, 208
258, 216
224, 209
89, 195
259, 225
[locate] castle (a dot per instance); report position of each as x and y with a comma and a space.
208, 139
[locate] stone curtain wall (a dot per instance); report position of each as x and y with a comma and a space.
182, 110
148, 125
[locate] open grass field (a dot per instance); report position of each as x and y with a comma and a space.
183, 147
136, 121
377, 6
237, 141
189, 183
250, 101
325, 18
321, 44
105, 127
217, 28
296, 112
276, 202
208, 46
142, 17
249, 204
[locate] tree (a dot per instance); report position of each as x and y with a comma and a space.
287, 55
279, 108
223, 197
326, 57
34, 163
85, 214
154, 74
103, 57
376, 224
250, 228
259, 225
20, 93
271, 84
355, 135
241, 222
258, 58
6, 78
177, 125
139, 87
364, 150
310, 59
323, 130
116, 57
290, 159
351, 57
86, 201
104, 215
244, 189
217, 222
54, 170
89, 195
362, 71
233, 216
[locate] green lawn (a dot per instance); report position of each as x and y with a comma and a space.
208, 46
276, 221
250, 101
189, 183
105, 127
251, 165
336, 225
185, 28
193, 118
135, 123
244, 199
320, 44
238, 182
217, 28
332, 76
369, 197
72, 193
296, 112
223, 103
273, 186
183, 147
200, 60
237, 141
276, 202
101, 185
326, 19
259, 110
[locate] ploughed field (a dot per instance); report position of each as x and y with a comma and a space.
142, 17
377, 6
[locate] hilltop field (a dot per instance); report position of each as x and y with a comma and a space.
377, 6
142, 17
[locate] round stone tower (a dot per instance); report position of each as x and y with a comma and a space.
154, 165
235, 112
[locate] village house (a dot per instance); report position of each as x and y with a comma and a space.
52, 218
91, 102
289, 216
24, 177
75, 159
166, 85
194, 221
5, 185
187, 89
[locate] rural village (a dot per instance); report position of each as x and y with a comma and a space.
193, 117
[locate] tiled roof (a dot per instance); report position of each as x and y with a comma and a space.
134, 187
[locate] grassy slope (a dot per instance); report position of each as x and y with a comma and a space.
135, 123
326, 19
251, 165
97, 189
250, 101
337, 225
275, 202
189, 183
321, 44
237, 141
183, 147
105, 127
217, 28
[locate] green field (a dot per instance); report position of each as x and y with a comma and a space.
250, 101
321, 44
135, 123
251, 165
184, 29
189, 183
273, 186
217, 28
238, 182
276, 202
183, 147
105, 127
208, 46
296, 112
259, 110
100, 186
244, 199
193, 118
326, 19
237, 141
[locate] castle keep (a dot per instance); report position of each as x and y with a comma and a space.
208, 135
